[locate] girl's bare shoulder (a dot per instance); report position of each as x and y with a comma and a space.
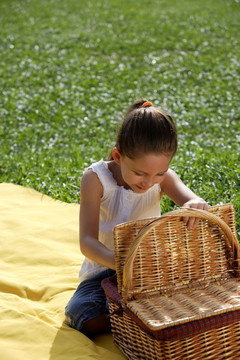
90, 182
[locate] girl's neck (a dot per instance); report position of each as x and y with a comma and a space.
115, 169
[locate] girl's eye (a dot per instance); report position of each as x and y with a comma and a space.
136, 173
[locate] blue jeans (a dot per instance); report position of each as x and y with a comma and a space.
88, 301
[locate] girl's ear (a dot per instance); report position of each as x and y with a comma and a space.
116, 155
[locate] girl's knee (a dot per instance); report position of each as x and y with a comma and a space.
88, 303
73, 314
89, 327
98, 325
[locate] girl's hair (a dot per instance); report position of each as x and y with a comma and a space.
146, 129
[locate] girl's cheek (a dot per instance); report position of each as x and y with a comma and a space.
160, 180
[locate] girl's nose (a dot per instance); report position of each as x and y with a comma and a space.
148, 182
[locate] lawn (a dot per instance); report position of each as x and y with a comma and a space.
70, 69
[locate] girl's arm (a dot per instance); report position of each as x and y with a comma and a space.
173, 187
90, 246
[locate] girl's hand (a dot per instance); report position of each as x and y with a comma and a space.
196, 203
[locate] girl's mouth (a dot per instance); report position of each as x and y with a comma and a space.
141, 188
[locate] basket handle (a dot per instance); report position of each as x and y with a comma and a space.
230, 238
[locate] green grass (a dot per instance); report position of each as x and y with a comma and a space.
70, 69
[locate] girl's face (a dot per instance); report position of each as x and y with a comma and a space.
142, 173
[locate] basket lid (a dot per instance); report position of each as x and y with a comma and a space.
160, 254
161, 312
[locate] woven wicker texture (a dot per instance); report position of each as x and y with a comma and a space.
160, 312
161, 256
178, 294
216, 344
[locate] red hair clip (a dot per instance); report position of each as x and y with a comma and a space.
147, 104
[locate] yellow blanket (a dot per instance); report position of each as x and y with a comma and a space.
39, 265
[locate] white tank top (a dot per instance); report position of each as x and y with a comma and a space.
118, 205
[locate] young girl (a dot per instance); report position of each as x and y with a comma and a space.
128, 187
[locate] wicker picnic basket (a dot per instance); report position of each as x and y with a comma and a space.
177, 292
